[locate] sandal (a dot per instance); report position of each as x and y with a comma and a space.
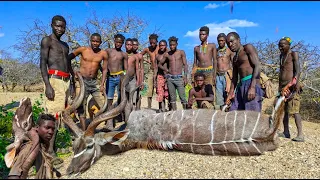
284, 135
298, 139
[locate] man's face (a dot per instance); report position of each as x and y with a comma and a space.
153, 43
283, 46
233, 43
58, 28
129, 46
221, 42
118, 43
203, 36
199, 81
135, 46
173, 45
162, 46
95, 42
46, 130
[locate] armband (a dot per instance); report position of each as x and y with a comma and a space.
71, 56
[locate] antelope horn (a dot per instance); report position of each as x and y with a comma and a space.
75, 104
103, 108
113, 112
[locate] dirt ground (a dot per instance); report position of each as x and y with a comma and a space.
290, 160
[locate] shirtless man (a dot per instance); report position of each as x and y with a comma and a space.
288, 82
45, 131
159, 77
133, 72
117, 65
55, 70
205, 57
224, 71
176, 81
91, 58
202, 93
152, 50
246, 64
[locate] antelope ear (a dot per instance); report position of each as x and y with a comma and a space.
115, 137
9, 157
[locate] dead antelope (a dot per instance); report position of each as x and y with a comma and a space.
199, 131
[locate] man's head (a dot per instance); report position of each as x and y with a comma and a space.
46, 127
284, 44
203, 33
163, 45
58, 25
233, 41
135, 45
173, 43
199, 79
153, 40
118, 41
95, 40
128, 45
221, 38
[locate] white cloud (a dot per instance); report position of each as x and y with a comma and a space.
224, 27
214, 5
211, 6
1, 35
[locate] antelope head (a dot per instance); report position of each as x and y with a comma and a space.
88, 145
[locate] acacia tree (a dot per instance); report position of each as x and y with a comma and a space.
130, 25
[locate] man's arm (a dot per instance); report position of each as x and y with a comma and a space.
190, 98
233, 84
255, 63
194, 57
44, 56
125, 61
185, 65
143, 52
104, 70
155, 72
162, 61
296, 63
214, 63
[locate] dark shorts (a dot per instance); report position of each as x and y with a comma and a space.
241, 101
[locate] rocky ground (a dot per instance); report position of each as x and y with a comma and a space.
290, 160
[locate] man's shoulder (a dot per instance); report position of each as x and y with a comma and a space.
212, 44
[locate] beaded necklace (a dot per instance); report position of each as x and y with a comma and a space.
223, 51
203, 48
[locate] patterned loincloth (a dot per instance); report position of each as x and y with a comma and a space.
162, 88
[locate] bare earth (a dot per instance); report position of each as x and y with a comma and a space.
290, 160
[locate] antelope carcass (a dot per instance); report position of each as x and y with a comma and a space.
201, 131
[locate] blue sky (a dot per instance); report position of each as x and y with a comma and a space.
259, 20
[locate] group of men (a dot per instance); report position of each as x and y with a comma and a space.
215, 76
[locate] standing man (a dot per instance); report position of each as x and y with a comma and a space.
176, 81
117, 65
133, 72
152, 50
289, 82
205, 57
224, 71
246, 64
160, 82
55, 70
202, 93
91, 58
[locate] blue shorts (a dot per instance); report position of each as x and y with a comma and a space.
111, 84
241, 101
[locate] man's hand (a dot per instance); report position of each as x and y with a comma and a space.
191, 101
50, 92
185, 81
102, 89
285, 91
251, 93
228, 100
